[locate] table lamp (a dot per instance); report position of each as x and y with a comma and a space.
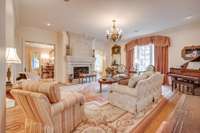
11, 58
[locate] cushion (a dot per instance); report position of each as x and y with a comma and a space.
148, 73
150, 68
194, 65
134, 80
33, 76
50, 89
123, 90
124, 82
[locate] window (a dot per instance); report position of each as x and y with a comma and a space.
99, 61
144, 56
35, 61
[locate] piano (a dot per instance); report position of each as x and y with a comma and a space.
185, 77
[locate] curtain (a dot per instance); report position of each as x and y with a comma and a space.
129, 59
161, 61
161, 55
161, 44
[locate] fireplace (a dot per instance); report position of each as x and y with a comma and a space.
74, 66
78, 70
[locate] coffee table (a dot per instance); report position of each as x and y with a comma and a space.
110, 81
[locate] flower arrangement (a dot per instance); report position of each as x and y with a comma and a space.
110, 71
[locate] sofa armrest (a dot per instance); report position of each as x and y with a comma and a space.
123, 89
71, 99
124, 82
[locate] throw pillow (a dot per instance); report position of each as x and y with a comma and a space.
148, 73
134, 80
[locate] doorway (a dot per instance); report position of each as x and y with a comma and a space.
39, 59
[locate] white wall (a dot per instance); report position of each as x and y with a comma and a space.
60, 64
10, 23
38, 35
2, 66
182, 36
81, 45
105, 48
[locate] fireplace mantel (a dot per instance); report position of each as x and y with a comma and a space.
80, 60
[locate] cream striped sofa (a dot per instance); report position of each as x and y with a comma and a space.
45, 110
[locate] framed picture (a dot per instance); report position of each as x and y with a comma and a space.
116, 49
116, 55
190, 52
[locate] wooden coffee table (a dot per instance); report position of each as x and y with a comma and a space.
110, 81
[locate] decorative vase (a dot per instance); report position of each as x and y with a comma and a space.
70, 79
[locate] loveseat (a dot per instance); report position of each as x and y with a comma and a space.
137, 98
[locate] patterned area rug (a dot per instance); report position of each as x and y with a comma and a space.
103, 117
89, 90
107, 118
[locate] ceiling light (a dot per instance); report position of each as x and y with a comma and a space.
188, 17
115, 33
48, 24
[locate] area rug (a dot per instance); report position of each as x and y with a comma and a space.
106, 118
89, 90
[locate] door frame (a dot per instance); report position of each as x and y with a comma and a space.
2, 66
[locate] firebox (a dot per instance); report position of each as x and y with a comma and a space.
78, 70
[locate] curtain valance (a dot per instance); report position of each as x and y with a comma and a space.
162, 41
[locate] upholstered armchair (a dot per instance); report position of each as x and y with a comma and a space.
45, 110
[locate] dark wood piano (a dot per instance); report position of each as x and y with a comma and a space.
184, 78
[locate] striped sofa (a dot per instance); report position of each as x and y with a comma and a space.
45, 110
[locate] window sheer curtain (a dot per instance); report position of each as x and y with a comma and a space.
161, 44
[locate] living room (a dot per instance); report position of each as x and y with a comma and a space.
99, 66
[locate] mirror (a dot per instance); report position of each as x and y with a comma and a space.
116, 55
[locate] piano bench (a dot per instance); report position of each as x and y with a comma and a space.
180, 85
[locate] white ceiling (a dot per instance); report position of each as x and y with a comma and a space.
39, 45
94, 17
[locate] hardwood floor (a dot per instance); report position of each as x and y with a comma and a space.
162, 115
15, 120
185, 117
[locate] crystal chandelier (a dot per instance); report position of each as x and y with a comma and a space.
115, 33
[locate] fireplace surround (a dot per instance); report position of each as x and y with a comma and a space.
73, 63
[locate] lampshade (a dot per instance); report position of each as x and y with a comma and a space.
11, 56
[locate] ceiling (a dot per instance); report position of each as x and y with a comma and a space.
39, 45
94, 17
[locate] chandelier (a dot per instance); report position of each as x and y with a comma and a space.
115, 33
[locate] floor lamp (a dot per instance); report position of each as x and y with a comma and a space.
11, 58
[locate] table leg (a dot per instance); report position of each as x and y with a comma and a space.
100, 87
193, 91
